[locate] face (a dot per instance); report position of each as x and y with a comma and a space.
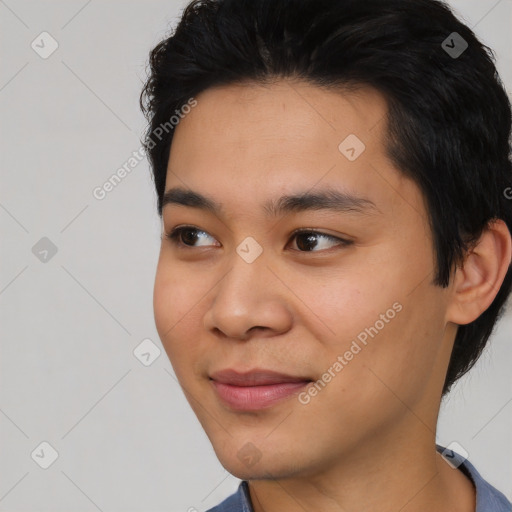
297, 349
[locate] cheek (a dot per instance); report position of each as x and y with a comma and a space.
164, 303
385, 316
345, 302
175, 302
175, 292
399, 358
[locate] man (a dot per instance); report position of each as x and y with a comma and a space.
336, 245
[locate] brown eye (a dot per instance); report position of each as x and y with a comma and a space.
307, 240
187, 236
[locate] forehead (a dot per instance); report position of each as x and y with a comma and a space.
285, 110
247, 143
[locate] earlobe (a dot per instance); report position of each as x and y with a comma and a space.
477, 282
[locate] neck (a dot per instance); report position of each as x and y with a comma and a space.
411, 477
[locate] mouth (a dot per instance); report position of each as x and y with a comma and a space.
256, 389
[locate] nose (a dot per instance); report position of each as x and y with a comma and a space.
249, 300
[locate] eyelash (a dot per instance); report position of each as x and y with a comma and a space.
174, 237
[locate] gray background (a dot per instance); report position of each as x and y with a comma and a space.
125, 436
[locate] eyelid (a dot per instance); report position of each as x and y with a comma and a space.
173, 236
343, 242
174, 233
317, 231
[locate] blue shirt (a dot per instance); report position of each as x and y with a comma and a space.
488, 498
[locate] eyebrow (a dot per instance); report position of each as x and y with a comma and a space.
325, 199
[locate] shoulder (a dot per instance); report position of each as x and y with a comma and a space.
237, 502
488, 498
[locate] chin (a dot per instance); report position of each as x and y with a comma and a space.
249, 463
260, 471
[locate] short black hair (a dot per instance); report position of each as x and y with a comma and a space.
448, 122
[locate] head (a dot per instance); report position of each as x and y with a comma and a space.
327, 102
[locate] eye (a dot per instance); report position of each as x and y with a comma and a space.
187, 236
307, 239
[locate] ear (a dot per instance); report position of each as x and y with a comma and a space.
477, 282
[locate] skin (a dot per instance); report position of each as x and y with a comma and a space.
366, 441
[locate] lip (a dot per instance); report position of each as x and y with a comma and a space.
255, 389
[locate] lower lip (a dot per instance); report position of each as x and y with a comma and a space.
252, 398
